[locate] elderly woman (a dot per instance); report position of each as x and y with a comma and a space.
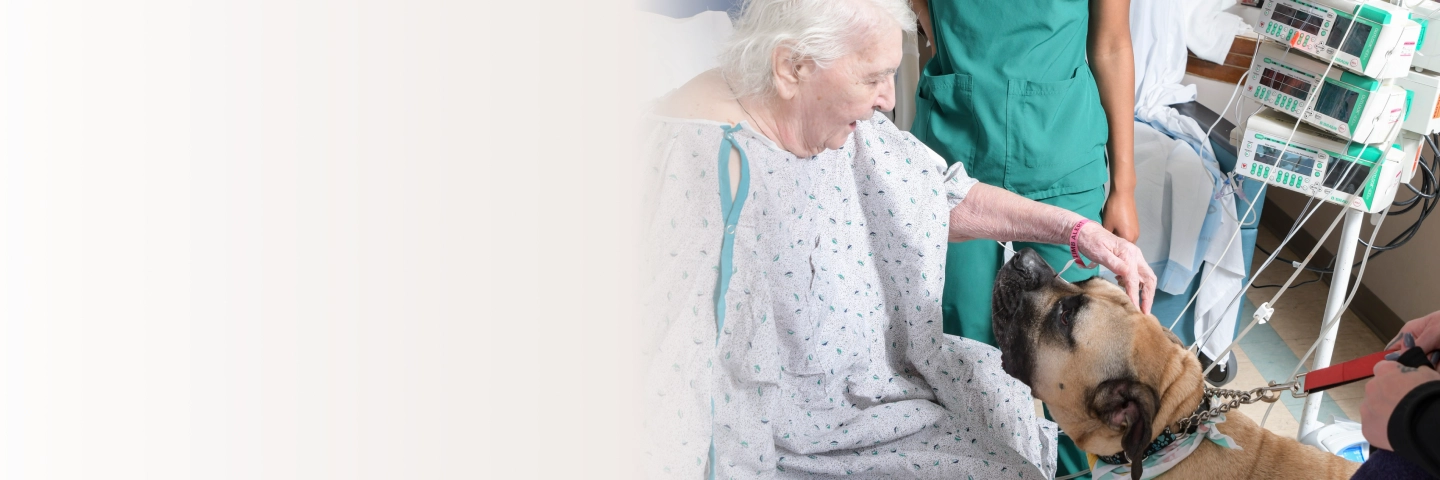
797, 243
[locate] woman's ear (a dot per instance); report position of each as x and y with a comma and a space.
789, 72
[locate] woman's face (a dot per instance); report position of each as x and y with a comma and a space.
850, 90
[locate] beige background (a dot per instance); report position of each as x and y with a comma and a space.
314, 239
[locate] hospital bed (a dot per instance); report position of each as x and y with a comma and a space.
1167, 306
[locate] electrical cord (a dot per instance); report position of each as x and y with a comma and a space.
1298, 285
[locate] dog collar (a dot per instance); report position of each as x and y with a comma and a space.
1164, 440
1171, 455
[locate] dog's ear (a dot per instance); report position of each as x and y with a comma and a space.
1128, 406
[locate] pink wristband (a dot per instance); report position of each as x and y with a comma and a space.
1075, 244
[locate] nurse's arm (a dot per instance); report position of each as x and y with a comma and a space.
1113, 63
922, 12
994, 213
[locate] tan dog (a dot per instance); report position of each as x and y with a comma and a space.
1114, 378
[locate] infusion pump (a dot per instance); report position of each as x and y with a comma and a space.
1356, 108
1381, 42
1423, 115
1427, 54
1314, 163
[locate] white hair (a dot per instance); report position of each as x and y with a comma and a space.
820, 31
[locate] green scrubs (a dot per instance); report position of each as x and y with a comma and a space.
1009, 94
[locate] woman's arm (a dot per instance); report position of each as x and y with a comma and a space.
996, 214
1113, 63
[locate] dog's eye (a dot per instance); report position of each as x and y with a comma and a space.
1067, 307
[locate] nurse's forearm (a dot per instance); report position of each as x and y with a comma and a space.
1119, 104
922, 13
996, 214
1113, 63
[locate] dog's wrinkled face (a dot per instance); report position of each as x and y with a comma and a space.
1099, 364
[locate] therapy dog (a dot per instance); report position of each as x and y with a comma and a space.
1123, 387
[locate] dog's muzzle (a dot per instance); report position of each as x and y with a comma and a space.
1011, 318
1025, 272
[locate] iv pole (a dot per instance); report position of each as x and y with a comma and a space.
1334, 302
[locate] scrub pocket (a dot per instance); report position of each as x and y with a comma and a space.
944, 116
1053, 128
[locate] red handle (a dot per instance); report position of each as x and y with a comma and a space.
1342, 373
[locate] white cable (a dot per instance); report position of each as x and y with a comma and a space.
1359, 275
1305, 214
1309, 103
1330, 323
1298, 268
1204, 279
1255, 321
1233, 95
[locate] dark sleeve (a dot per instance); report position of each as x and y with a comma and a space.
1415, 427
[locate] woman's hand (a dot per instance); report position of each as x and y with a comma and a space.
994, 213
1121, 217
1391, 383
1123, 258
1424, 330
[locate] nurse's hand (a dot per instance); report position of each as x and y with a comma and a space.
1123, 258
1120, 216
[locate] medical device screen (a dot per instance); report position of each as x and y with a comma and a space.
1354, 175
1298, 19
1301, 164
1355, 42
1286, 84
1336, 102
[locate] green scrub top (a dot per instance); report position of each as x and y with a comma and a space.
1009, 94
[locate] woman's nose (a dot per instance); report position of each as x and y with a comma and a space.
885, 101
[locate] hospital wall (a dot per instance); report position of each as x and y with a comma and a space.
1399, 285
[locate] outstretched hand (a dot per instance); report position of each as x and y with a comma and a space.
1123, 258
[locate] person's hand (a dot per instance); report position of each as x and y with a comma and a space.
1391, 383
1123, 258
1426, 332
1121, 217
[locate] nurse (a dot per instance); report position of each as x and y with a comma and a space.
1009, 94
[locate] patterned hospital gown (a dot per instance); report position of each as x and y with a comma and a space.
825, 356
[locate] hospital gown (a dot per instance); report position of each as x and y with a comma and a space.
829, 358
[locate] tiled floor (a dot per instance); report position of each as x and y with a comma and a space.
1271, 351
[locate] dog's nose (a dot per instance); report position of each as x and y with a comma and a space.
1025, 271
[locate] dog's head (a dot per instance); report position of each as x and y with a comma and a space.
1112, 377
